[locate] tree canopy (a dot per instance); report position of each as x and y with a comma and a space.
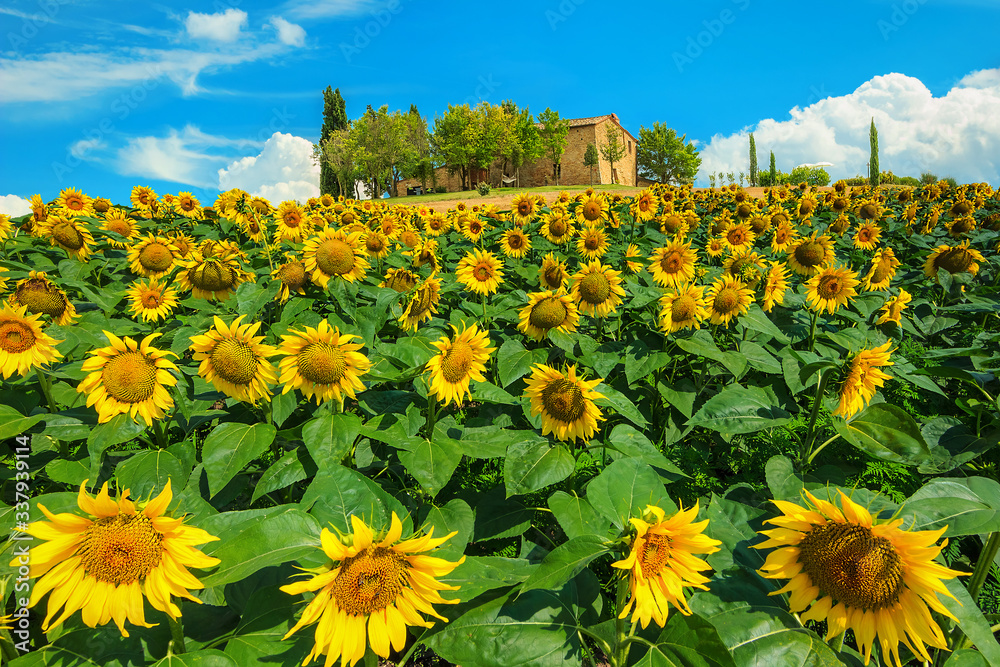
552, 133
664, 157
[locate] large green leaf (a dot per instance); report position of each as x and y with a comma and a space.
498, 516
687, 641
733, 523
535, 464
479, 574
967, 658
513, 361
13, 423
340, 493
971, 620
230, 447
293, 466
431, 462
631, 442
967, 506
621, 404
738, 409
701, 344
268, 615
886, 432
624, 490
202, 658
251, 540
782, 479
330, 438
454, 517
121, 428
576, 516
565, 562
147, 472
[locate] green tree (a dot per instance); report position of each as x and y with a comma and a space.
873, 172
591, 159
449, 141
337, 155
525, 145
774, 171
416, 162
382, 149
613, 148
664, 157
334, 119
753, 161
552, 135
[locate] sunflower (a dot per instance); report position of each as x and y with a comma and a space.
376, 244
806, 207
775, 286
552, 274
293, 277
959, 227
892, 309
253, 226
151, 301
673, 224
334, 253
592, 243
153, 256
292, 223
953, 259
234, 360
840, 225
785, 234
882, 270
633, 253
863, 379
400, 280
747, 266
515, 243
183, 243
215, 277
523, 208
128, 378
480, 271
459, 360
715, 247
143, 197
547, 311
856, 573
424, 253
557, 226
422, 304
74, 203
471, 227
103, 564
370, 590
117, 220
644, 205
597, 289
662, 561
867, 236
831, 288
436, 224
189, 207
23, 344
565, 402
39, 295
593, 210
69, 234
738, 237
728, 298
321, 363
684, 308
808, 255
673, 265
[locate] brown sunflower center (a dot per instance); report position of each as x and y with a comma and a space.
322, 363
515, 241
292, 275
645, 204
563, 400
672, 261
40, 297
781, 235
292, 219
375, 244
592, 211
683, 308
482, 272
882, 271
524, 208
75, 203
744, 210
234, 361
119, 226
120, 549
456, 362
152, 299
864, 235
409, 238
810, 253
962, 226
212, 276
830, 287
129, 377
421, 301
655, 554
840, 204
847, 562
868, 211
672, 223
557, 227
839, 225
736, 236
16, 337
592, 242
187, 204
156, 257
961, 208
68, 236
727, 300
334, 257
595, 288
347, 218
401, 281
954, 260
553, 276
370, 581
548, 313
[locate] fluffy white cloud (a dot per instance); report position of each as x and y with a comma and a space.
81, 148
221, 27
13, 205
289, 33
955, 135
283, 170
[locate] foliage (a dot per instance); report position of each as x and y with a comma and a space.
612, 149
552, 136
484, 188
773, 170
664, 157
591, 159
334, 120
753, 162
873, 170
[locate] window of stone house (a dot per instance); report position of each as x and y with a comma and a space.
629, 147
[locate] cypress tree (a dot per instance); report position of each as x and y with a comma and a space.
753, 161
774, 171
874, 174
334, 118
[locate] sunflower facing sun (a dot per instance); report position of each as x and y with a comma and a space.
547, 311
322, 363
459, 360
234, 360
565, 402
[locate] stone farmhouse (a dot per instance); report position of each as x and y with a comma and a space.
572, 171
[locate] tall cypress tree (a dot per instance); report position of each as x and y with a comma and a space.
334, 118
753, 161
874, 175
774, 171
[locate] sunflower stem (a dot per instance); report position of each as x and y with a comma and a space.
816, 451
161, 437
812, 331
176, 645
46, 384
810, 438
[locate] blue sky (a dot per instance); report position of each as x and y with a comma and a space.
106, 95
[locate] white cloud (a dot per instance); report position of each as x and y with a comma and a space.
283, 170
14, 206
79, 149
221, 27
955, 135
289, 33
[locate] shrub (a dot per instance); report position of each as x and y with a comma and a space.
440, 188
811, 175
484, 188
927, 178
857, 180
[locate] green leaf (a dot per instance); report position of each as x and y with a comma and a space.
730, 522
230, 447
339, 493
565, 562
513, 361
535, 464
488, 442
757, 321
479, 574
431, 462
252, 540
293, 466
456, 516
701, 344
121, 428
625, 488
967, 657
630, 442
640, 361
576, 516
621, 404
498, 516
968, 506
738, 409
488, 392
282, 406
760, 358
13, 423
687, 641
681, 395
781, 478
147, 473
886, 432
203, 658
268, 615
971, 620
67, 472
330, 438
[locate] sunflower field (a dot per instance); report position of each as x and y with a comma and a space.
701, 428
